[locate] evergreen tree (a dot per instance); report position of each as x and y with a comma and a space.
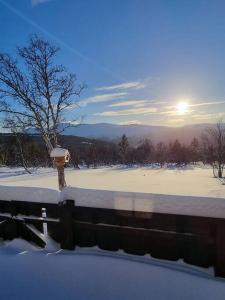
194, 149
123, 148
161, 153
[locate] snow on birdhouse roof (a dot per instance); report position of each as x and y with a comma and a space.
59, 152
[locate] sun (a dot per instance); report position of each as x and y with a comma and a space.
182, 108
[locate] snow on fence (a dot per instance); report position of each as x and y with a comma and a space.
29, 194
165, 227
146, 202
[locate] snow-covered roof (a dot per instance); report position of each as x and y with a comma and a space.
59, 152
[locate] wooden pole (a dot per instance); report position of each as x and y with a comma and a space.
60, 162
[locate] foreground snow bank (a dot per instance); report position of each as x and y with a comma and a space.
35, 274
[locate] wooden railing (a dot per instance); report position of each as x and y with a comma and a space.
198, 241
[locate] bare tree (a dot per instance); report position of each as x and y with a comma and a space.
34, 91
214, 147
18, 137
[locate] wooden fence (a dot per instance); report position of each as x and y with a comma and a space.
198, 241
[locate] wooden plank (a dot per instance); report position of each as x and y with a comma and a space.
66, 224
220, 249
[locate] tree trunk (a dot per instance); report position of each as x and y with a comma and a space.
48, 143
214, 171
220, 173
22, 158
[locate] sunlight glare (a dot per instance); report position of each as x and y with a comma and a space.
182, 108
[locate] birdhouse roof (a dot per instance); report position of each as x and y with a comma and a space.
59, 152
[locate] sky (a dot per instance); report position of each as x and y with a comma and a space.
144, 61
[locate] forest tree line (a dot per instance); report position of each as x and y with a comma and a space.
30, 151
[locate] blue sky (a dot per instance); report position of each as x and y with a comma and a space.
139, 58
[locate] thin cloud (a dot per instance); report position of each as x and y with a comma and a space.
199, 104
132, 122
175, 113
38, 2
208, 117
174, 122
135, 103
207, 103
102, 98
131, 85
128, 112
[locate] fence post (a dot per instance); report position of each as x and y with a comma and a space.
220, 249
67, 240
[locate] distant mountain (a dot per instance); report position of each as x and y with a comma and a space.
136, 132
64, 140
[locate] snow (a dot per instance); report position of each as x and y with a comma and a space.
190, 191
186, 182
59, 152
32, 273
6, 172
32, 194
158, 203
35, 274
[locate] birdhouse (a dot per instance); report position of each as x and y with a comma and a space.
60, 155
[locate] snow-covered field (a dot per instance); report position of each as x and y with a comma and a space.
29, 273
188, 182
190, 191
